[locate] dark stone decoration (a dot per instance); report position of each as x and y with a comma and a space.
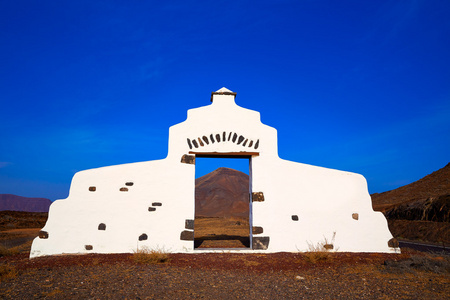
102, 226
187, 235
294, 218
217, 137
260, 243
88, 247
151, 209
124, 189
393, 243
328, 246
129, 183
143, 237
189, 224
188, 159
92, 188
355, 216
43, 234
257, 230
156, 204
258, 197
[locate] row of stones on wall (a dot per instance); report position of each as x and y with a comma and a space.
142, 237
188, 235
259, 242
213, 138
355, 216
122, 189
102, 226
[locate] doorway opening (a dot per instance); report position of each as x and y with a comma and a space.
222, 206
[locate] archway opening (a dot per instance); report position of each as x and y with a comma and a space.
222, 207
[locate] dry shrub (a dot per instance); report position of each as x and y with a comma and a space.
7, 272
316, 256
150, 256
321, 251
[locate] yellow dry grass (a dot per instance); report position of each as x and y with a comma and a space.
150, 256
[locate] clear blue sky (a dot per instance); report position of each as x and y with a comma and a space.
361, 86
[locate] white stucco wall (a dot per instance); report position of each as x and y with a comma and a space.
160, 195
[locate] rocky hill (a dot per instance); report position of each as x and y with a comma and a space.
222, 193
420, 210
18, 203
428, 188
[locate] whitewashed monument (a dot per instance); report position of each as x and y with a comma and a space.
119, 209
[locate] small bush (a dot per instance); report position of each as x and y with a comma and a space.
150, 256
316, 256
320, 251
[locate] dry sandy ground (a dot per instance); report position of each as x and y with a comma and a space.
314, 275
228, 276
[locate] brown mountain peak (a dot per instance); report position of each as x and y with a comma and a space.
222, 193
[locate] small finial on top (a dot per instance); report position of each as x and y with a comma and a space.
222, 91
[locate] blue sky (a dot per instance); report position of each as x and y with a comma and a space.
361, 86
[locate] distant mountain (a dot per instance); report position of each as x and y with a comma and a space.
222, 193
427, 199
18, 203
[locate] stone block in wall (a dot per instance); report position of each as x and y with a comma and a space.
258, 197
328, 246
260, 242
43, 234
393, 243
257, 230
188, 159
189, 224
187, 235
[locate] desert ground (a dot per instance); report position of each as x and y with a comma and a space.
221, 275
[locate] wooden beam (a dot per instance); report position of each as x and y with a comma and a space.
242, 154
